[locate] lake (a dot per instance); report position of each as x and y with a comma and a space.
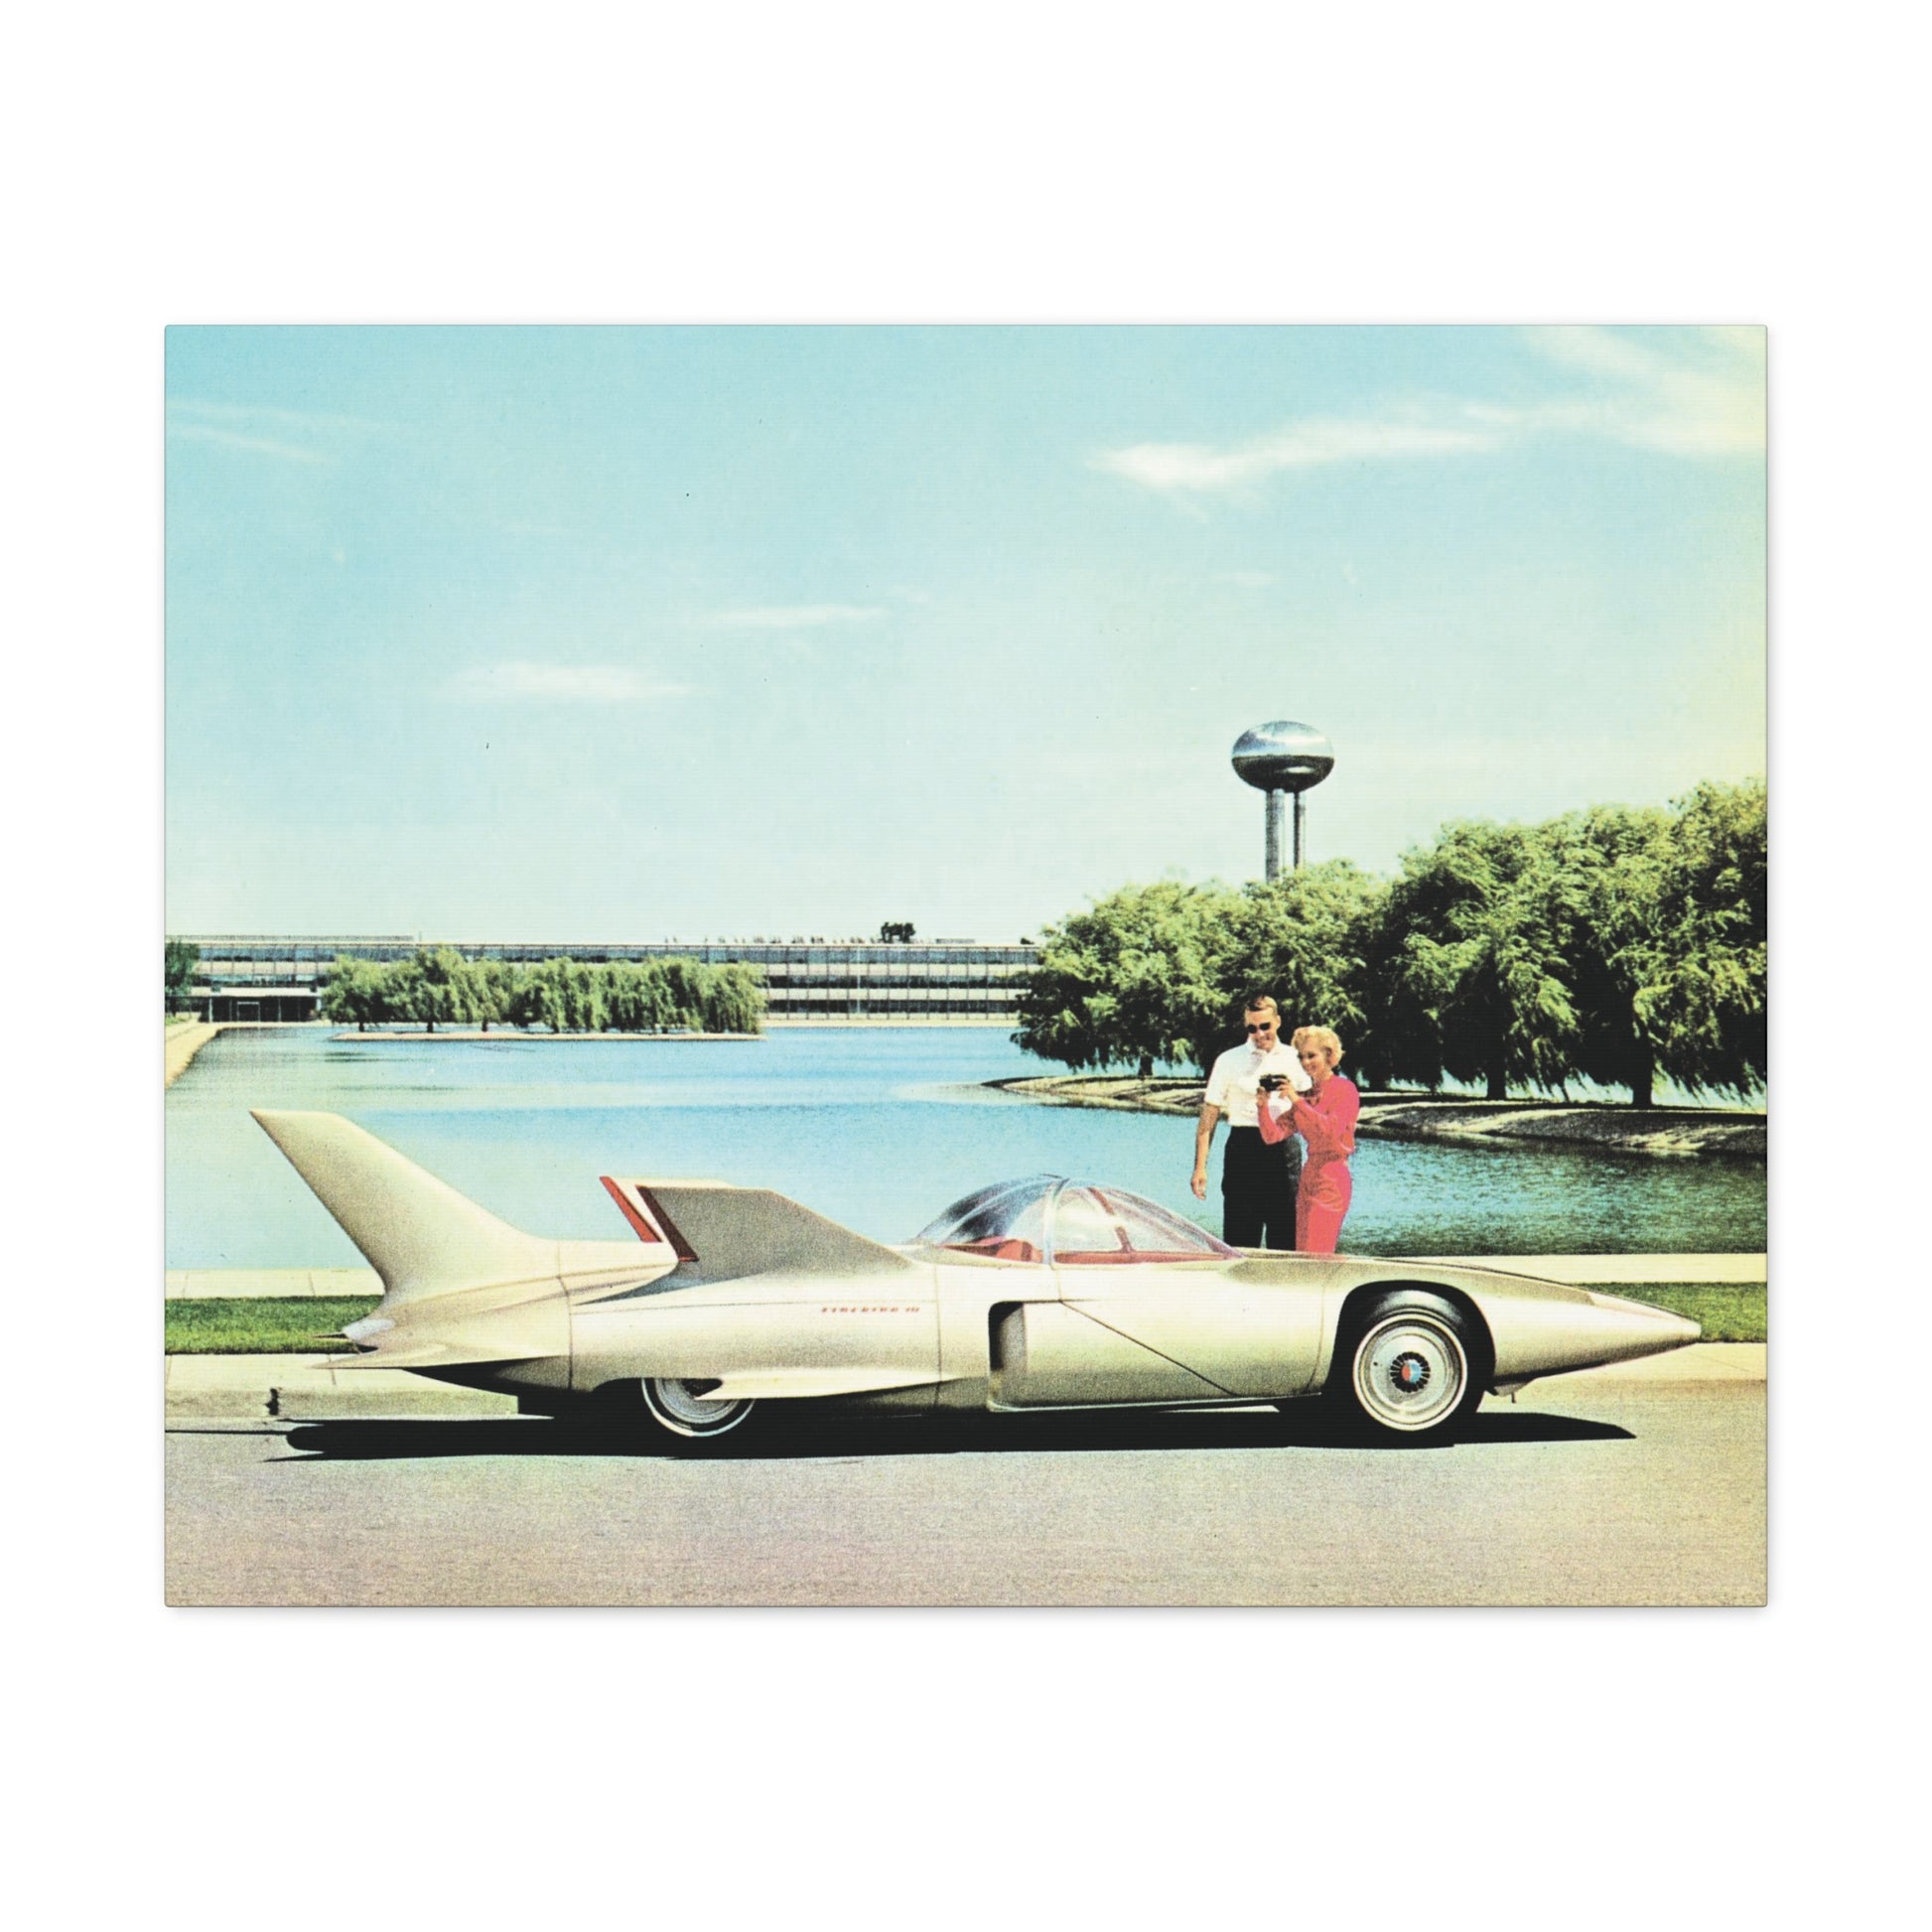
876, 1127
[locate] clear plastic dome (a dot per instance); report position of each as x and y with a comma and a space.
1049, 1219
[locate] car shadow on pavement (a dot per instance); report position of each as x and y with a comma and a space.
1309, 1427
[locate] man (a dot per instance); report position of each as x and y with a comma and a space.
1257, 1181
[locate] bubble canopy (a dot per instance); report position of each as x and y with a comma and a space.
1048, 1219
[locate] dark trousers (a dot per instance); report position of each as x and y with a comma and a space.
1258, 1190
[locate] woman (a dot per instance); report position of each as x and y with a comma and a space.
1325, 1117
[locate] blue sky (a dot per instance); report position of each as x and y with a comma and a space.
646, 634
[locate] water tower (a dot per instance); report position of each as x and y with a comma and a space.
1278, 757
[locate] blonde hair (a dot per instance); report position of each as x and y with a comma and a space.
1325, 1037
1261, 1003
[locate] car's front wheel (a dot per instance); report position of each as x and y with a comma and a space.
1413, 1368
682, 1406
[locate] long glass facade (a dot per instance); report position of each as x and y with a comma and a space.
281, 977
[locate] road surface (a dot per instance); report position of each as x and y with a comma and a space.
1594, 1492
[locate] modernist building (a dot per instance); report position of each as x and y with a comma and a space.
282, 977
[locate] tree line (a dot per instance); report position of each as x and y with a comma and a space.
1618, 945
183, 956
568, 996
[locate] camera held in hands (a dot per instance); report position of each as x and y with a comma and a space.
1272, 1082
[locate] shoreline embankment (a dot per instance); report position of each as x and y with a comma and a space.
1603, 1127
182, 1042
513, 1035
782, 1023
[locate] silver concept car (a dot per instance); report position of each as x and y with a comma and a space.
1033, 1295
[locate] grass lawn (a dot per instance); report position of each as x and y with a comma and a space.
248, 1326
237, 1326
1726, 1310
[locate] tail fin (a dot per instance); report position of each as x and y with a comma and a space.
419, 1234
721, 1232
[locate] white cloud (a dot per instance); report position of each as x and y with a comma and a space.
558, 683
1702, 394
796, 616
288, 435
1199, 467
256, 445
1682, 393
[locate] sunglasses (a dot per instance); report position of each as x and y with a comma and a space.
1266, 1026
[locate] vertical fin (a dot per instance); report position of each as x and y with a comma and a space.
419, 1234
726, 1231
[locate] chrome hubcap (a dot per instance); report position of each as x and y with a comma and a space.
679, 1406
1409, 1371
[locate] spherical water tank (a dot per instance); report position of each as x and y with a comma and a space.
1284, 755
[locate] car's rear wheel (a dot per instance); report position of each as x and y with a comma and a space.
1414, 1369
681, 1405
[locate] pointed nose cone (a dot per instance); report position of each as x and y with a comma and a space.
1622, 1331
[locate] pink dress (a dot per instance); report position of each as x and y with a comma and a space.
1328, 1123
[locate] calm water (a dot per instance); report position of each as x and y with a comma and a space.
879, 1128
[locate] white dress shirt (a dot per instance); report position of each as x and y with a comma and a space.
1235, 1080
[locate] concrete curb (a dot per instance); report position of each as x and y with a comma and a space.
303, 1388
1598, 1270
1703, 1361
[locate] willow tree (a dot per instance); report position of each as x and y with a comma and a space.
1712, 908
433, 988
1304, 938
734, 999
1669, 964
565, 994
181, 957
1619, 952
492, 990
1474, 964
355, 993
633, 997
1139, 977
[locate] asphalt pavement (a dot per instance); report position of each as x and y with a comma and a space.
1588, 1490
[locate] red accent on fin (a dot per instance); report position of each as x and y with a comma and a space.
669, 1235
645, 1230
